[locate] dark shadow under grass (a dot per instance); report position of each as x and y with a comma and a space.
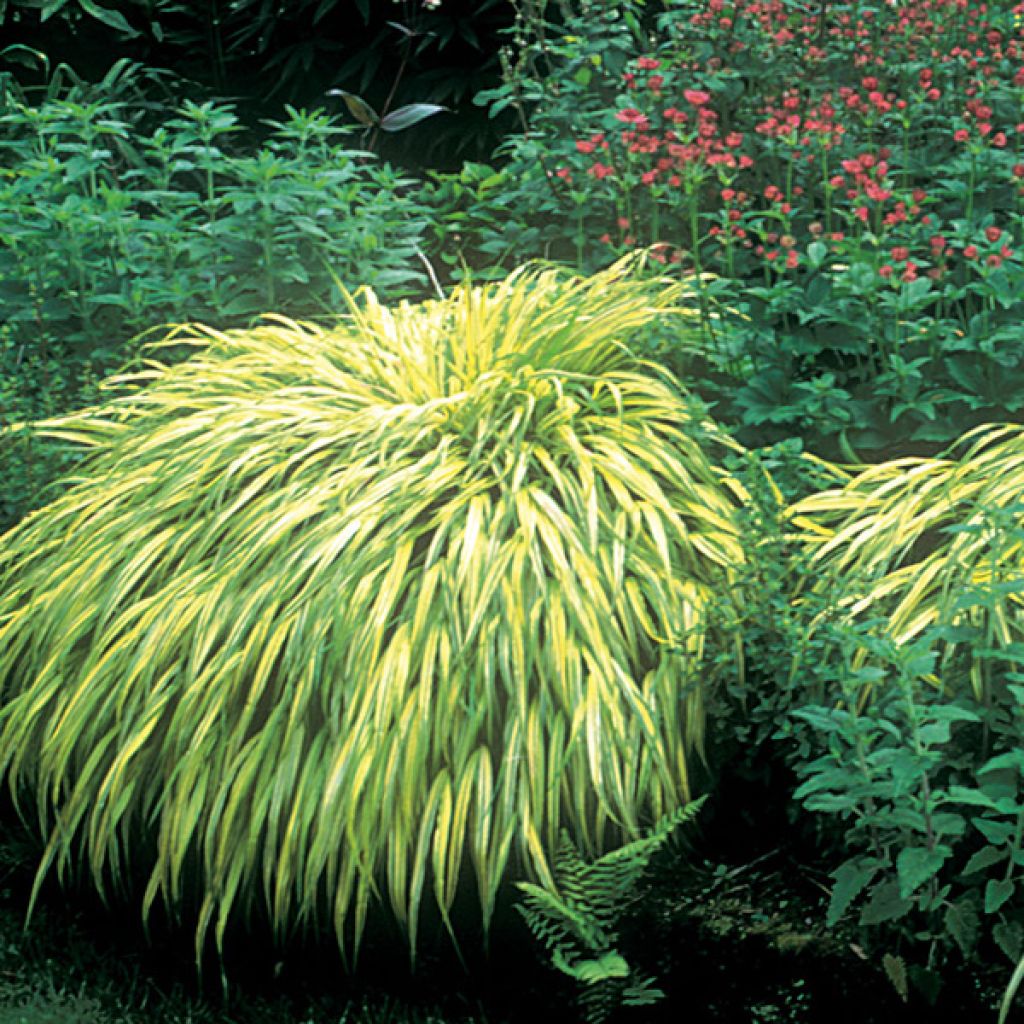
735, 940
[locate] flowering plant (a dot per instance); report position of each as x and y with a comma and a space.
852, 177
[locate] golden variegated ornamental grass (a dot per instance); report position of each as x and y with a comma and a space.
340, 614
917, 540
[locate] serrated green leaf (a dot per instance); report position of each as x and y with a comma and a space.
916, 865
962, 922
885, 904
850, 880
896, 971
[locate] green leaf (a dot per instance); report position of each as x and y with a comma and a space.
997, 892
896, 971
850, 880
962, 922
52, 7
1009, 937
592, 971
972, 797
916, 864
115, 19
357, 107
405, 117
996, 832
985, 858
885, 904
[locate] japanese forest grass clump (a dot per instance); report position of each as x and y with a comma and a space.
930, 545
338, 615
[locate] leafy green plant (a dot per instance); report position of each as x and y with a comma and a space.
578, 920
863, 229
112, 222
921, 729
929, 542
331, 609
933, 817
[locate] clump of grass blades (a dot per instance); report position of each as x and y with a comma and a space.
329, 609
917, 540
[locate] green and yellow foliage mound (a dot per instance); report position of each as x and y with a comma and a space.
916, 540
336, 613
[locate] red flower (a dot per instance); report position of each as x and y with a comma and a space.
600, 170
698, 97
633, 116
994, 259
971, 252
885, 271
585, 146
648, 64
900, 253
993, 234
961, 135
792, 259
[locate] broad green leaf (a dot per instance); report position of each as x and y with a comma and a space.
962, 922
885, 904
916, 864
1009, 937
985, 858
997, 892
